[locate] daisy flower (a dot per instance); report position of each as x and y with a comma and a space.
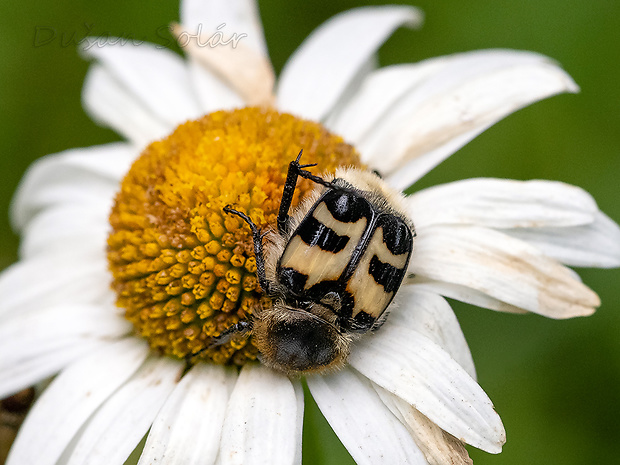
129, 265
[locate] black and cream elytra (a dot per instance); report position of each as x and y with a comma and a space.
331, 269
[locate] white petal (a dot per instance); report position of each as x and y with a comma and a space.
261, 419
398, 91
230, 16
242, 68
592, 245
239, 17
463, 294
414, 368
40, 366
117, 427
430, 315
350, 92
466, 94
317, 74
53, 279
85, 176
66, 227
71, 399
299, 395
504, 268
377, 95
502, 203
368, 430
111, 104
187, 429
212, 92
439, 447
156, 76
39, 344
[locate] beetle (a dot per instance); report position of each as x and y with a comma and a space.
331, 269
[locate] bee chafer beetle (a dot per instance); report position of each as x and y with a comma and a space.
331, 269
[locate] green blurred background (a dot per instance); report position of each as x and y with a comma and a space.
556, 384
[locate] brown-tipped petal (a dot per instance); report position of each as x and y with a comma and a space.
247, 71
502, 267
439, 447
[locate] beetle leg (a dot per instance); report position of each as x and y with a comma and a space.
241, 328
259, 255
294, 168
294, 171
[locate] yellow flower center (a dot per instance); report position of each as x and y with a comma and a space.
184, 271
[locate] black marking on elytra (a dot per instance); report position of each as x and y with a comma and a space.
364, 321
346, 301
385, 274
361, 323
396, 234
315, 233
347, 207
292, 280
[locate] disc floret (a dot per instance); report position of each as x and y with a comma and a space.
183, 270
